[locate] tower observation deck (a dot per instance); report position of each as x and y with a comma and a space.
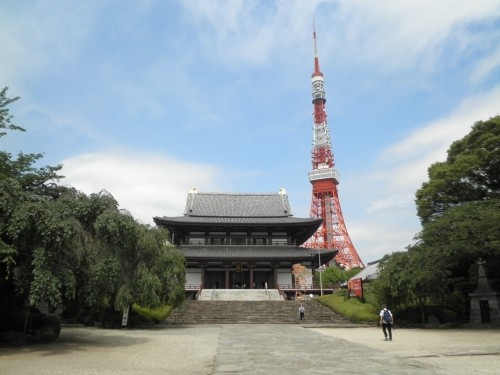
325, 204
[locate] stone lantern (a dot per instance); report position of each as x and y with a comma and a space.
484, 303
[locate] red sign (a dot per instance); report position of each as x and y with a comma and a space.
355, 287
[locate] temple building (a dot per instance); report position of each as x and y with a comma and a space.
243, 241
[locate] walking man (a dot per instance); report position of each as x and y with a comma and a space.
302, 311
386, 321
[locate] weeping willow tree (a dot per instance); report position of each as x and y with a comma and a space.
80, 252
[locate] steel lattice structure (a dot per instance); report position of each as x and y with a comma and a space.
332, 234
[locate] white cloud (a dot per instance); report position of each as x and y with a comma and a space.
145, 184
407, 161
411, 33
389, 221
391, 201
382, 234
485, 67
249, 33
31, 37
393, 35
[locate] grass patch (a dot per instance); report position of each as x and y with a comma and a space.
352, 308
157, 315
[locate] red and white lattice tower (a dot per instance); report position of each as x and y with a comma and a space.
332, 234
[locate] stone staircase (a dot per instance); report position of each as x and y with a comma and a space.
254, 312
239, 295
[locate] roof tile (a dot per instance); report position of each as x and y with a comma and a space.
238, 205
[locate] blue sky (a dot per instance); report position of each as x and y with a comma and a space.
147, 99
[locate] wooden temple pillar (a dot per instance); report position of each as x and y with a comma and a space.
251, 276
203, 276
275, 277
227, 277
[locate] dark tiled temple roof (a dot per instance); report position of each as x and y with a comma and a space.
223, 211
253, 252
234, 220
238, 205
226, 208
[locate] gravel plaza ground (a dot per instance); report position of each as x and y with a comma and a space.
456, 351
257, 349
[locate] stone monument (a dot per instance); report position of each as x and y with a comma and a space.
485, 302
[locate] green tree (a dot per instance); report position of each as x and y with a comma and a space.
461, 236
39, 181
469, 174
62, 247
411, 278
331, 275
393, 285
25, 192
5, 116
459, 208
150, 272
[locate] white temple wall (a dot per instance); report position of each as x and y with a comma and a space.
284, 276
193, 276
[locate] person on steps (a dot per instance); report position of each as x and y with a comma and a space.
302, 312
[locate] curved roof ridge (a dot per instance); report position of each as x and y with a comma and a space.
223, 193
238, 204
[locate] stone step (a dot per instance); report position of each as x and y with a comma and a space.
270, 312
240, 295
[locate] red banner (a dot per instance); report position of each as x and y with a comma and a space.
355, 287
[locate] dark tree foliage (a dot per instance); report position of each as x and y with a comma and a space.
411, 278
460, 212
462, 236
470, 172
5, 116
64, 248
330, 276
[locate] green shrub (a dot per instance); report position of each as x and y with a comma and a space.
157, 315
342, 292
370, 296
352, 309
412, 315
330, 276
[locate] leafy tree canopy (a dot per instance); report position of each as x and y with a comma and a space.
459, 206
470, 172
5, 116
62, 247
331, 275
460, 210
461, 236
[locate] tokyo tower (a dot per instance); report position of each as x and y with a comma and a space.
332, 234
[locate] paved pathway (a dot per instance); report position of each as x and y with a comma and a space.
458, 351
254, 349
278, 349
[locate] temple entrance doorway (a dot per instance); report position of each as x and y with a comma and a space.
215, 280
262, 277
239, 279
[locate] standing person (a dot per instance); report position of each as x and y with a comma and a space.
302, 312
386, 321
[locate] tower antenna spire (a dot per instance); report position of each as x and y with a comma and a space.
325, 204
316, 58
